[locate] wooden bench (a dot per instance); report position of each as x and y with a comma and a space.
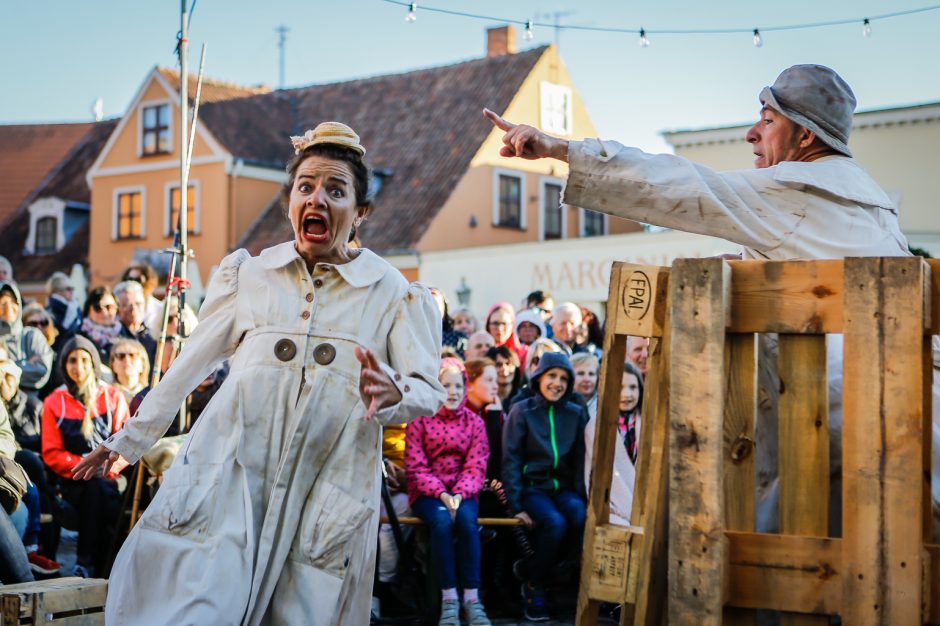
54, 602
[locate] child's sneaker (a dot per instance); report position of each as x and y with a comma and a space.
475, 615
535, 608
41, 565
450, 613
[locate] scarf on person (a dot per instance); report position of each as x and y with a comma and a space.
100, 334
626, 422
513, 342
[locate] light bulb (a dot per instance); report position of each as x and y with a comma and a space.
758, 40
529, 35
644, 40
412, 9
866, 28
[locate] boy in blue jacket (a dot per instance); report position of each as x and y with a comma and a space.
543, 472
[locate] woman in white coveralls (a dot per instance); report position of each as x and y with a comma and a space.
269, 513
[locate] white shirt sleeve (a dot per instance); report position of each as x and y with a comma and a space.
213, 340
748, 207
414, 350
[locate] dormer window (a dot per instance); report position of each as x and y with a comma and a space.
47, 234
155, 129
556, 109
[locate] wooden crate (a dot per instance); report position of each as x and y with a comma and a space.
697, 456
58, 602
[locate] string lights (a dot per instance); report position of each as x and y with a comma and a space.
757, 39
644, 41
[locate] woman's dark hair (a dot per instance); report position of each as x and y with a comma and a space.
595, 334
511, 356
629, 367
148, 275
94, 298
359, 169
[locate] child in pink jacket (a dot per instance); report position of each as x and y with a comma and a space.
445, 458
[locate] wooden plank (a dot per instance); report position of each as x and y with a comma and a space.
605, 438
882, 442
933, 580
700, 314
739, 452
785, 572
804, 444
610, 562
648, 573
787, 296
639, 299
934, 281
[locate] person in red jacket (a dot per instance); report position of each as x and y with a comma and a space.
77, 417
445, 458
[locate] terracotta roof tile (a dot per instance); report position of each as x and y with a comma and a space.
212, 90
425, 126
65, 180
27, 153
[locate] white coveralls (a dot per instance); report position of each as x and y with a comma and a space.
825, 209
269, 513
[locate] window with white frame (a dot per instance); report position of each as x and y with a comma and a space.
129, 214
556, 109
155, 129
593, 224
47, 235
553, 211
509, 199
171, 214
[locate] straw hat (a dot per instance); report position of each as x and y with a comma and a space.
335, 133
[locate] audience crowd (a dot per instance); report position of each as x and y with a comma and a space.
513, 440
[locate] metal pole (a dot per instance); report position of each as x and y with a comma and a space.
184, 175
282, 41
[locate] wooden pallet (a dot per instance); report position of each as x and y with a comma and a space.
882, 568
627, 565
54, 602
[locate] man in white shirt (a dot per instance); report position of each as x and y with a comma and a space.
806, 199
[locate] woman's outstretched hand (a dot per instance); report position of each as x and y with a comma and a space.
376, 388
527, 142
98, 463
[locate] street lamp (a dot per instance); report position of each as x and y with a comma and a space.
463, 292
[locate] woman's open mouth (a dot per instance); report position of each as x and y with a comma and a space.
315, 228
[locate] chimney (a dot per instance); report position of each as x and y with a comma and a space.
500, 41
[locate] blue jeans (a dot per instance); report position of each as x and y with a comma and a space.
555, 515
14, 565
444, 555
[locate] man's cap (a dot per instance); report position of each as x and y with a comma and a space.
817, 98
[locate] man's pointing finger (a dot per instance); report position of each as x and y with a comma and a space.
497, 121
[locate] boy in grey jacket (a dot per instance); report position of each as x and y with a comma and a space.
543, 472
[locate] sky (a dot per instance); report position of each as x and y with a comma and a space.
61, 55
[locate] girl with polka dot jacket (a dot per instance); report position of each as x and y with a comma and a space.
445, 458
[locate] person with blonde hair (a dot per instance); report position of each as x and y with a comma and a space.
130, 364
76, 418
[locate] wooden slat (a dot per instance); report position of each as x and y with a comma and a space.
650, 499
612, 551
605, 438
638, 298
739, 452
804, 444
882, 442
786, 296
785, 572
700, 306
933, 580
934, 265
